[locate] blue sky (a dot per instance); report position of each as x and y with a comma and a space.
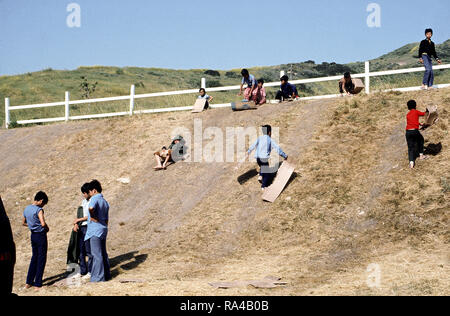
182, 34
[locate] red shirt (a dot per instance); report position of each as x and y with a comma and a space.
413, 119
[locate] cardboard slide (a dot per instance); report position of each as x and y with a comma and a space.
243, 106
431, 117
283, 176
199, 105
359, 86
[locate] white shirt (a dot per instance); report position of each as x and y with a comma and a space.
85, 205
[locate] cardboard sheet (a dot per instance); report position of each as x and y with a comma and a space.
283, 176
243, 106
266, 283
359, 85
432, 116
199, 106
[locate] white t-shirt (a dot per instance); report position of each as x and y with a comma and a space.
85, 205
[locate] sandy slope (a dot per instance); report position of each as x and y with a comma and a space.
194, 223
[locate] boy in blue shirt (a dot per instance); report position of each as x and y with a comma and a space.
97, 232
264, 146
33, 218
287, 90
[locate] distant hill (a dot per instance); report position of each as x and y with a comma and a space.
49, 85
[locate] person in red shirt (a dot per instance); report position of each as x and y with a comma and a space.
414, 139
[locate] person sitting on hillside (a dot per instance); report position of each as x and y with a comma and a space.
259, 94
163, 158
414, 139
206, 97
346, 85
173, 154
287, 90
251, 85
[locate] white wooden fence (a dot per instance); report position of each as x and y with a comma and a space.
132, 97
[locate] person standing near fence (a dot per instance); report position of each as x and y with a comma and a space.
427, 50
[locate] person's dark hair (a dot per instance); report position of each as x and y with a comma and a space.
245, 73
164, 148
41, 196
412, 105
267, 129
85, 188
202, 89
284, 78
94, 184
347, 75
261, 81
428, 31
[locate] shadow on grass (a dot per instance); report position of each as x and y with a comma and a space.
433, 149
127, 262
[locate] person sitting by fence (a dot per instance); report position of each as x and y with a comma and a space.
427, 50
287, 90
346, 85
414, 139
259, 94
251, 85
206, 97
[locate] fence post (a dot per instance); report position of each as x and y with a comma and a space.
203, 83
67, 100
7, 119
132, 94
367, 78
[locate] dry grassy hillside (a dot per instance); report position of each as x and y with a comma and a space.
352, 202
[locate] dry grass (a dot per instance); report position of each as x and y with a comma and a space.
352, 203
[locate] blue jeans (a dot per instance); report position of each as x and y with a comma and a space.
101, 271
428, 78
85, 251
39, 246
265, 172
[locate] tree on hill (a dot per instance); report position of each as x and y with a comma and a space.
87, 88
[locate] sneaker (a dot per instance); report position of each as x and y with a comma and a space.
412, 165
86, 277
260, 179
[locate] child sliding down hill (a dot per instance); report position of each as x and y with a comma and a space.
167, 156
264, 146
